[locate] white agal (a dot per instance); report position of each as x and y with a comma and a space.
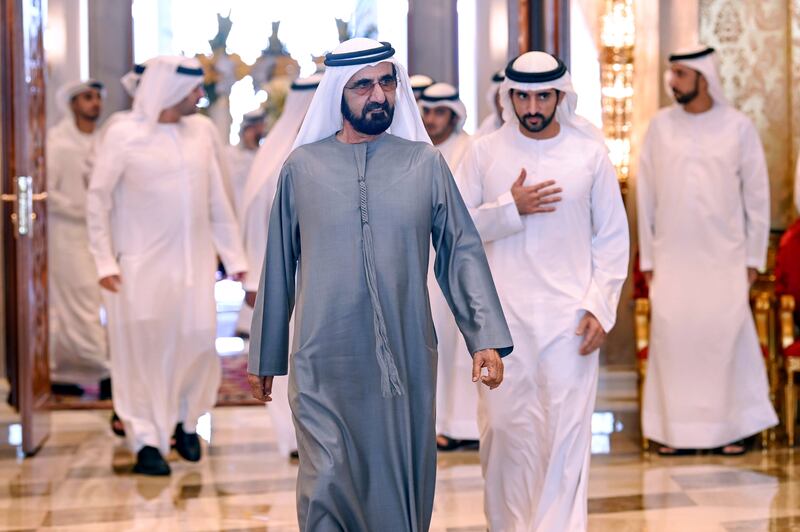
158, 216
703, 198
78, 345
549, 269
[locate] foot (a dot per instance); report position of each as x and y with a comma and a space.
150, 462
736, 448
65, 388
116, 425
105, 390
665, 450
187, 444
445, 443
294, 455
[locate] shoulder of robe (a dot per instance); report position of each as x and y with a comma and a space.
121, 131
740, 119
414, 149
202, 124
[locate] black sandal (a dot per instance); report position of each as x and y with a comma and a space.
117, 427
741, 446
666, 450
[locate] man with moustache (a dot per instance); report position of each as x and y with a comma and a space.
357, 204
703, 207
158, 217
545, 198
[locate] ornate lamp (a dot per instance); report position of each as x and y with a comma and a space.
616, 72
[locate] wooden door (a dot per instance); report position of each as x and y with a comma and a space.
24, 217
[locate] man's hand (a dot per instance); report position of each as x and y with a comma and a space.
260, 387
111, 283
536, 198
239, 277
489, 359
648, 277
592, 332
250, 299
752, 275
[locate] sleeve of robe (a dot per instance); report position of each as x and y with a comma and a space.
495, 218
646, 202
255, 235
57, 202
107, 171
224, 228
610, 245
755, 196
269, 334
462, 270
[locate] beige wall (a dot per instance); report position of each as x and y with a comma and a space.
758, 44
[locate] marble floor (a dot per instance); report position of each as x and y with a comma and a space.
81, 481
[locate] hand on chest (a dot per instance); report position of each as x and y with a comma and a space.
574, 176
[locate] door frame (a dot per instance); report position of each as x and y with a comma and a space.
22, 96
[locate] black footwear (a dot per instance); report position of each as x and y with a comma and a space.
294, 455
452, 444
150, 462
665, 450
116, 425
105, 390
736, 448
65, 388
187, 445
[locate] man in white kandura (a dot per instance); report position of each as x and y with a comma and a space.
130, 81
240, 157
444, 114
494, 120
240, 160
158, 217
545, 198
254, 216
420, 82
703, 204
78, 344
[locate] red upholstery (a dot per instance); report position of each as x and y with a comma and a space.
793, 350
787, 263
640, 288
643, 353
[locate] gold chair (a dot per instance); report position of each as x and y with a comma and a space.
642, 336
761, 306
762, 314
791, 361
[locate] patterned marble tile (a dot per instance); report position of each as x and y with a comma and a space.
82, 482
635, 503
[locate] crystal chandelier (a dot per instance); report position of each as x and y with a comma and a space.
616, 71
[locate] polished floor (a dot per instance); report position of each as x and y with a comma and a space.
81, 481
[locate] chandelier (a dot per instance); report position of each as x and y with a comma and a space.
616, 71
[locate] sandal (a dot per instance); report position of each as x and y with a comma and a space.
665, 450
117, 427
737, 448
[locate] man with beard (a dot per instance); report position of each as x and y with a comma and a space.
158, 217
350, 230
78, 346
544, 196
703, 204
